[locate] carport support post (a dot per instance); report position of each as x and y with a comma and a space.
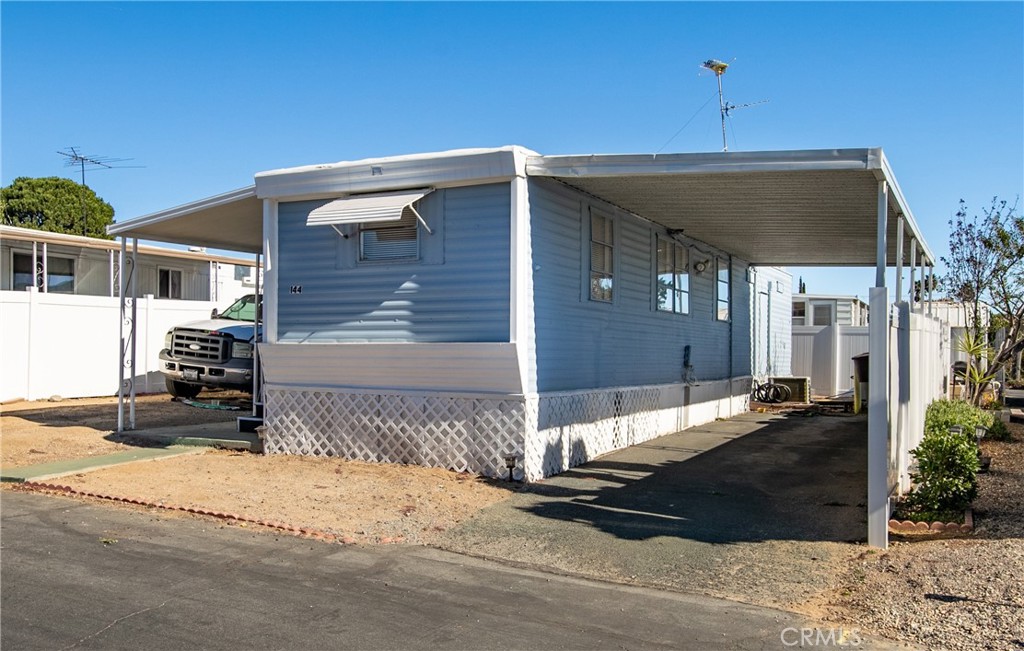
913, 270
878, 389
899, 258
126, 273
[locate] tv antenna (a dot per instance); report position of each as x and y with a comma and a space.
725, 108
75, 158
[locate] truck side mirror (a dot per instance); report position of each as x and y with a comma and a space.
214, 314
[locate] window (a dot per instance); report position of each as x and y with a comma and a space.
799, 313
673, 282
169, 285
60, 273
602, 247
722, 287
392, 240
821, 314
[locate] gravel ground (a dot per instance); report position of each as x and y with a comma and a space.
951, 594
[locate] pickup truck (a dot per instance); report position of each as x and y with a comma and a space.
217, 352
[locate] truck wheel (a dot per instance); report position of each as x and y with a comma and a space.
182, 389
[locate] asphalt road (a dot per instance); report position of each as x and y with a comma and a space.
83, 576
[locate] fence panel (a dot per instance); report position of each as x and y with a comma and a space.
68, 345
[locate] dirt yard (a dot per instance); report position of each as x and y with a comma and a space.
42, 431
366, 502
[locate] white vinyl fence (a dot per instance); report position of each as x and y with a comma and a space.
67, 345
825, 354
919, 351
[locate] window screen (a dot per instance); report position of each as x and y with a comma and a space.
673, 282
799, 313
722, 288
602, 246
60, 273
822, 315
170, 284
398, 240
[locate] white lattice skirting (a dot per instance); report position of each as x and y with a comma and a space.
549, 433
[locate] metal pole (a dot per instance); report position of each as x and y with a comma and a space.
111, 264
878, 389
35, 265
913, 269
46, 273
121, 349
880, 250
256, 399
899, 259
931, 276
721, 109
81, 194
135, 251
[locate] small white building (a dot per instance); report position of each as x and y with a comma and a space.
828, 310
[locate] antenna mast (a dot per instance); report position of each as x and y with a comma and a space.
76, 159
719, 67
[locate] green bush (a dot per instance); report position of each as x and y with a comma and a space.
998, 430
947, 476
943, 414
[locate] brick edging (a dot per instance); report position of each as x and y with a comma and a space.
304, 532
907, 526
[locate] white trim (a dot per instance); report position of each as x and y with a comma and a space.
270, 262
439, 170
521, 282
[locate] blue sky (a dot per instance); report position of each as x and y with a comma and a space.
203, 95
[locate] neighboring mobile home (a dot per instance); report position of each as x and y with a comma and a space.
88, 266
823, 310
457, 308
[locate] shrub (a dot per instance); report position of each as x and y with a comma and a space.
998, 431
943, 414
946, 480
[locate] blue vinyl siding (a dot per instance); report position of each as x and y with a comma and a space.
585, 344
457, 292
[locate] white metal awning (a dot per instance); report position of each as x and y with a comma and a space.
361, 209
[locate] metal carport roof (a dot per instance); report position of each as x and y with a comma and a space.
789, 208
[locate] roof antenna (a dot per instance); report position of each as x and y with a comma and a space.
76, 159
718, 67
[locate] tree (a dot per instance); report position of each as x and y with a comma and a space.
986, 265
55, 204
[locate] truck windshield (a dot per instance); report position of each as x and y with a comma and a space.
244, 309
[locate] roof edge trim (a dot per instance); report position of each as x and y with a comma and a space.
597, 165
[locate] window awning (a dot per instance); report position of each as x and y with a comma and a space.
361, 209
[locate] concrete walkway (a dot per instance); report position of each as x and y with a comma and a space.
757, 508
154, 443
54, 469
